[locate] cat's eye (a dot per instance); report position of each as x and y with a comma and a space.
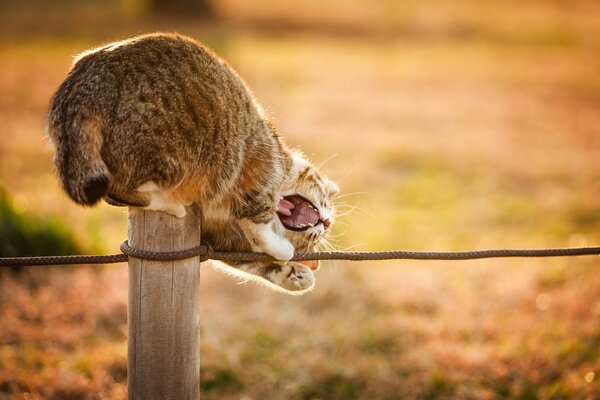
334, 189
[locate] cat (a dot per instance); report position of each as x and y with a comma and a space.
159, 121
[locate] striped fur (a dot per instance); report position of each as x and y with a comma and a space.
159, 121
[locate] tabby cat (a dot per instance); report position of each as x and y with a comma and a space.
160, 122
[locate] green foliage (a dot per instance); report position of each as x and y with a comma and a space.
436, 386
218, 379
23, 235
334, 386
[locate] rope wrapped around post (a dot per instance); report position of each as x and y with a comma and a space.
205, 252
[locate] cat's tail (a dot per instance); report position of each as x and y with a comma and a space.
77, 159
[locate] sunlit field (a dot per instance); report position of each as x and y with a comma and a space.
456, 126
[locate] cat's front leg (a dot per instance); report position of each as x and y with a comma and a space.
292, 276
264, 239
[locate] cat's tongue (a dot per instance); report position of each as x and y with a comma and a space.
302, 213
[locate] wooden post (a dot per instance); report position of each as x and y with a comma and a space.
163, 316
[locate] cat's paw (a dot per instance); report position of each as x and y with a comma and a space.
161, 200
264, 240
279, 248
177, 210
293, 276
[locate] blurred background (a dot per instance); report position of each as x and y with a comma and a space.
448, 125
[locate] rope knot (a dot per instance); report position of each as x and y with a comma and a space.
204, 252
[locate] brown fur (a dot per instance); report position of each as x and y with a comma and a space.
163, 108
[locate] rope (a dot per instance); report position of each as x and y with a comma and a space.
205, 253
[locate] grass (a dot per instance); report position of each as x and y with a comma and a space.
465, 125
26, 236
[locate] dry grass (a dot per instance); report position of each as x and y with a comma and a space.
465, 125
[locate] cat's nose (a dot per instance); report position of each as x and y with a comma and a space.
327, 223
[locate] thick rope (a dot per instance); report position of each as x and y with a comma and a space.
205, 253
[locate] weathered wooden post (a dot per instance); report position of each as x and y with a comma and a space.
163, 316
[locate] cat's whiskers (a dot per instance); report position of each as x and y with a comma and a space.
326, 244
327, 159
347, 209
330, 237
347, 173
346, 212
352, 194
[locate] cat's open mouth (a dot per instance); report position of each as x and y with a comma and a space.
302, 213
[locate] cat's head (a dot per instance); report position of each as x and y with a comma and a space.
309, 198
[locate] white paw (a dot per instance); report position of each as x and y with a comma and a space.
293, 276
177, 210
161, 200
174, 210
280, 249
264, 240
